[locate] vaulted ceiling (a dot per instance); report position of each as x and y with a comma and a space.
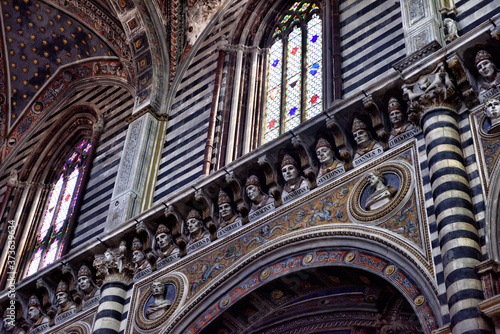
50, 46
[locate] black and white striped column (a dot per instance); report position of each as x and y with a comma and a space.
110, 310
457, 228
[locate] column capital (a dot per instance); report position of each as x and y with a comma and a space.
433, 90
113, 265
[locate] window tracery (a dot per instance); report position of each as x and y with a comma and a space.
294, 91
59, 209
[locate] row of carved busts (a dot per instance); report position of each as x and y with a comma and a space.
56, 306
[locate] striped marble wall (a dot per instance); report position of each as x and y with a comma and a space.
116, 104
182, 154
471, 13
372, 41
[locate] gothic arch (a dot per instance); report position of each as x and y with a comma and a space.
332, 247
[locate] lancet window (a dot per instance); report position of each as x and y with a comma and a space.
59, 209
294, 87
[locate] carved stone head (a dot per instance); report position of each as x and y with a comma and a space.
485, 66
224, 203
162, 237
194, 223
289, 169
360, 132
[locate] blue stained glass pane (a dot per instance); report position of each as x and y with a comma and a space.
295, 6
314, 74
293, 93
273, 99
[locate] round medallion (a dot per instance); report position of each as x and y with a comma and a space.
265, 273
161, 298
390, 270
380, 192
37, 108
419, 300
350, 256
224, 302
308, 258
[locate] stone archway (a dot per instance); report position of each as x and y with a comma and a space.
324, 299
388, 268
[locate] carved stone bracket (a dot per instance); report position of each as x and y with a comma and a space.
373, 110
237, 189
206, 205
70, 276
147, 237
495, 29
463, 81
176, 224
306, 161
345, 154
48, 296
267, 164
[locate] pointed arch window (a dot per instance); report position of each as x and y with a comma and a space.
294, 90
59, 209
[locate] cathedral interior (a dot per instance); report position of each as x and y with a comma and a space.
250, 166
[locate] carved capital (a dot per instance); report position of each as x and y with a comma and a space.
430, 91
113, 265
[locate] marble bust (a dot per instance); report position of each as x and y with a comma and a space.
35, 314
492, 110
363, 139
164, 241
160, 305
138, 257
397, 118
62, 298
227, 215
85, 284
383, 193
255, 194
9, 324
490, 75
195, 227
326, 158
290, 172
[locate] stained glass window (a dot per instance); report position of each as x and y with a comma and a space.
294, 91
59, 209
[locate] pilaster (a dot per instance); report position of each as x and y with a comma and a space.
128, 192
421, 24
